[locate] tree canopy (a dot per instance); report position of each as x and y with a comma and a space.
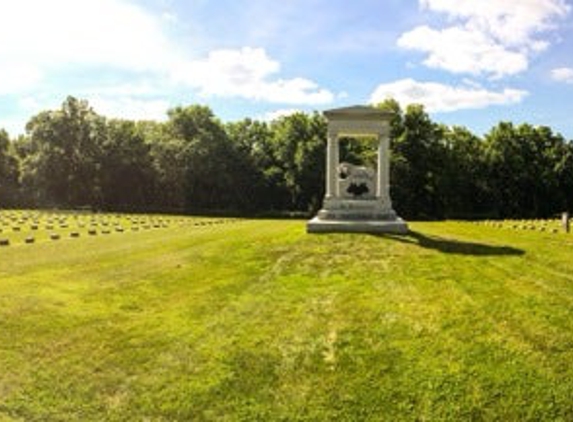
193, 162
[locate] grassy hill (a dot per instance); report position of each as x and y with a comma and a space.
256, 320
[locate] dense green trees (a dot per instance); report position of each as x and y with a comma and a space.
127, 175
464, 183
298, 145
63, 155
530, 170
419, 159
8, 172
73, 157
215, 173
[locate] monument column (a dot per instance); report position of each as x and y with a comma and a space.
384, 168
380, 173
331, 164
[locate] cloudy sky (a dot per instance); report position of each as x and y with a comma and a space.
470, 62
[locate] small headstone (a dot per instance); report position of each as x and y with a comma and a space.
565, 222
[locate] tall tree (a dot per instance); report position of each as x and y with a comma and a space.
299, 149
527, 165
166, 153
564, 170
213, 178
127, 173
65, 150
418, 159
8, 172
464, 187
253, 141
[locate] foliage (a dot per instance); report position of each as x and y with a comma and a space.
299, 148
528, 168
63, 164
127, 173
254, 143
73, 157
464, 182
8, 172
419, 157
207, 157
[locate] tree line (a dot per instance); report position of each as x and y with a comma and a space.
73, 157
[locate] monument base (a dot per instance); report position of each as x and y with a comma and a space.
318, 225
357, 216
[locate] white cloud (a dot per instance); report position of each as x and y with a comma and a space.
460, 50
137, 88
277, 114
170, 18
563, 74
495, 38
40, 39
248, 73
18, 78
63, 32
130, 107
514, 23
438, 97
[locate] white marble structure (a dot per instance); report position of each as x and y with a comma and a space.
357, 198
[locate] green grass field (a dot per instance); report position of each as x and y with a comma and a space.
214, 319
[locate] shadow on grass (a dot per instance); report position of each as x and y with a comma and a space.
453, 246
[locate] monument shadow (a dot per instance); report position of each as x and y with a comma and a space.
451, 246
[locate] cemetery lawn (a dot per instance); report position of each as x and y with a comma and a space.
256, 320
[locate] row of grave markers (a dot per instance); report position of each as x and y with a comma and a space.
551, 226
25, 226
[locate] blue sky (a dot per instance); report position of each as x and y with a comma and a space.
471, 63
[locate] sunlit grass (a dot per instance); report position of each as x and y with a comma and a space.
256, 320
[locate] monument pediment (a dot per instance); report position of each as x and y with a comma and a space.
358, 113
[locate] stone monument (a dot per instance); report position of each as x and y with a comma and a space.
357, 198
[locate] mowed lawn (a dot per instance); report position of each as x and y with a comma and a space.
256, 320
